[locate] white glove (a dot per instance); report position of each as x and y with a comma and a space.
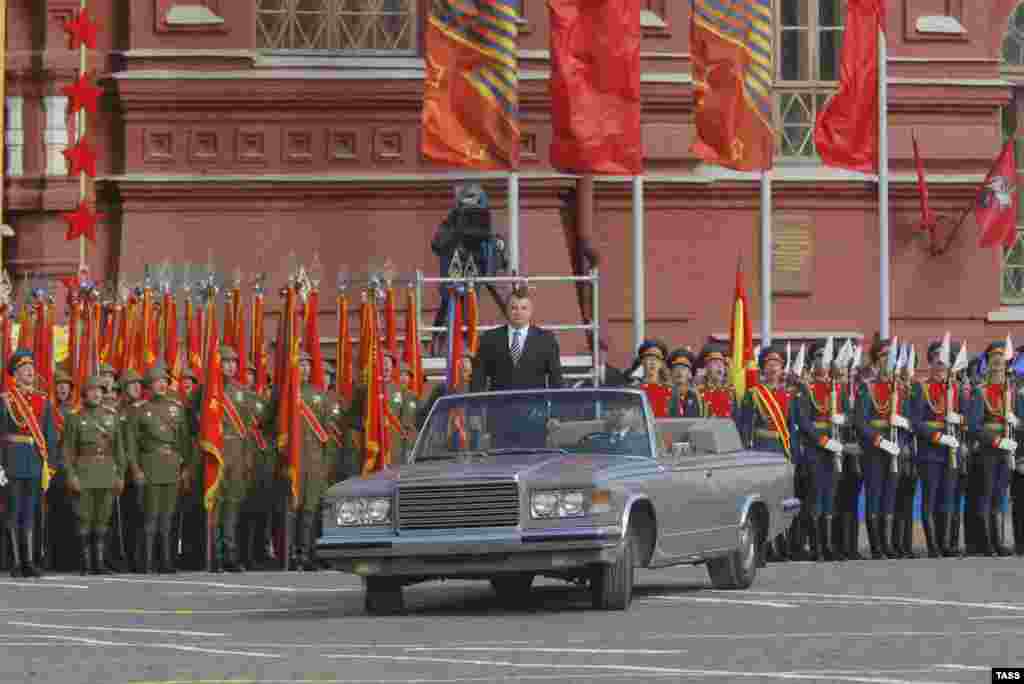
954, 418
889, 446
1012, 419
835, 446
950, 441
838, 419
901, 422
3, 477
1008, 444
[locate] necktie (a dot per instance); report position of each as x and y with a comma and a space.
516, 350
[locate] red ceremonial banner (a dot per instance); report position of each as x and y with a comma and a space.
995, 208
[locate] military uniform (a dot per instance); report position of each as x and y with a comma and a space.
29, 442
685, 401
129, 542
61, 534
846, 530
935, 460
163, 457
881, 468
95, 463
658, 393
719, 400
403, 406
987, 425
263, 494
823, 446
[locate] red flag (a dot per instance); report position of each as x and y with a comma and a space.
172, 356
995, 208
375, 428
317, 377
240, 343
259, 360
846, 132
595, 86
285, 332
413, 354
343, 351
86, 346
107, 344
391, 334
194, 344
732, 74
927, 215
742, 366
42, 346
211, 417
289, 418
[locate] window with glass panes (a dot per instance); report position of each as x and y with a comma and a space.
1013, 259
336, 25
809, 39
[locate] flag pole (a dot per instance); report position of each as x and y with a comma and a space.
885, 291
766, 259
513, 222
639, 275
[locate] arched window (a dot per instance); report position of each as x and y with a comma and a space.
1013, 43
367, 26
1013, 116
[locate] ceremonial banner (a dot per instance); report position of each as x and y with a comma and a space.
343, 351
172, 355
455, 343
211, 417
259, 360
732, 52
743, 365
375, 430
471, 91
317, 377
927, 215
595, 86
391, 333
413, 354
846, 132
995, 208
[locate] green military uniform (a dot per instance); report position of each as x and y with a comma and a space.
403, 405
240, 453
163, 453
95, 462
263, 492
131, 519
61, 533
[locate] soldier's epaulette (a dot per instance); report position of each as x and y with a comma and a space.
175, 401
108, 408
140, 402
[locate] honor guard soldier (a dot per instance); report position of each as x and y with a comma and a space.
716, 393
906, 486
402, 405
936, 412
95, 463
124, 399
821, 411
877, 423
765, 421
163, 465
992, 420
263, 493
685, 401
240, 451
652, 355
60, 532
109, 377
846, 527
29, 438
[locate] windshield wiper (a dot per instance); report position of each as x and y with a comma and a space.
527, 450
451, 456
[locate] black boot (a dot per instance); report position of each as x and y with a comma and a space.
852, 538
931, 539
824, 533
28, 568
85, 566
99, 550
810, 524
310, 563
887, 527
908, 536
983, 545
795, 538
144, 557
940, 529
837, 537
998, 531
896, 530
12, 535
167, 565
954, 550
1018, 527
871, 522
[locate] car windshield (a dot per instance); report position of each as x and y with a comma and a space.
576, 421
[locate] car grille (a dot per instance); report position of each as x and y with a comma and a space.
470, 504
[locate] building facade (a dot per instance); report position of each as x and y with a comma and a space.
254, 128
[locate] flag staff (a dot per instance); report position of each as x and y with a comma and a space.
885, 291
766, 258
639, 273
513, 223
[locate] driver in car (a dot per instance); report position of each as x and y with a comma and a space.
623, 430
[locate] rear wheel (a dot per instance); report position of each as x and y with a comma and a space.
738, 569
383, 596
611, 586
512, 588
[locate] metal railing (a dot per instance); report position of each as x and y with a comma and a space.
436, 367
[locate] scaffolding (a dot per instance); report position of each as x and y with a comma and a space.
575, 367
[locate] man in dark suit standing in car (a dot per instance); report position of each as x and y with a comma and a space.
518, 356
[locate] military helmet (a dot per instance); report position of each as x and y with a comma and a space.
128, 377
62, 378
20, 358
654, 348
95, 382
681, 357
107, 369
997, 347
158, 372
712, 351
772, 353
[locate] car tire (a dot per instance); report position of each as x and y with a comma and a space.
738, 569
611, 586
512, 588
383, 596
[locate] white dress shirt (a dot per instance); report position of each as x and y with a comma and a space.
523, 332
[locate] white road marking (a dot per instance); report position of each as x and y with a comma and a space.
141, 630
587, 651
973, 668
702, 599
825, 635
882, 599
40, 585
644, 669
507, 678
171, 647
998, 617
225, 585
159, 611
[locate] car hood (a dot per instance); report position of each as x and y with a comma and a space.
522, 466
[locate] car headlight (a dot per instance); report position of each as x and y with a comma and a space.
354, 511
558, 503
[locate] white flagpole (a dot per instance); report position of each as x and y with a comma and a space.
639, 275
885, 290
513, 222
766, 259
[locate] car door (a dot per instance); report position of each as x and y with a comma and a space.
690, 508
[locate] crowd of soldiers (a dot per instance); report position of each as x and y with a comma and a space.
118, 482
874, 428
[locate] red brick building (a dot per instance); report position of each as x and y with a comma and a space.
256, 127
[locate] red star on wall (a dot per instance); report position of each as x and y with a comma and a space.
83, 94
82, 222
81, 30
81, 158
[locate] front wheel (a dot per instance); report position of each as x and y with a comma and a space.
383, 596
611, 586
738, 569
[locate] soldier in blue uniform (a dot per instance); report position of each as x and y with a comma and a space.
685, 401
873, 420
937, 451
990, 422
30, 441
